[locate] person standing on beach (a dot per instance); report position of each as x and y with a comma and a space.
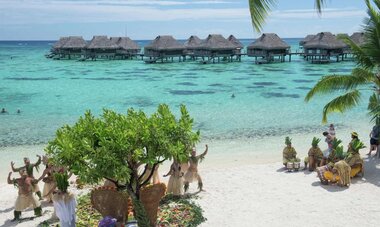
192, 173
329, 139
175, 184
331, 131
25, 198
48, 178
28, 167
374, 135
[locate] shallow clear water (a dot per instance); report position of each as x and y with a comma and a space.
269, 99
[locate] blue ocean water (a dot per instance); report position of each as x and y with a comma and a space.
269, 99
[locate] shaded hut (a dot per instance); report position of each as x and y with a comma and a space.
322, 47
346, 48
191, 44
163, 47
56, 48
216, 46
358, 38
238, 45
73, 47
126, 47
306, 39
101, 47
269, 47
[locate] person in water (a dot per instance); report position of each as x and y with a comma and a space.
29, 167
3, 111
25, 198
192, 173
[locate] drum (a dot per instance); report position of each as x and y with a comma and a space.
296, 166
290, 166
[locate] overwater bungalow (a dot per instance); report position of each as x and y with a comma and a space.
322, 47
162, 48
214, 47
74, 47
238, 45
305, 40
101, 47
269, 47
358, 38
56, 48
191, 44
127, 48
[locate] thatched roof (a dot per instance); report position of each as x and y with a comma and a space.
269, 41
59, 44
358, 38
235, 42
125, 43
325, 40
74, 42
306, 39
217, 42
101, 42
193, 41
164, 42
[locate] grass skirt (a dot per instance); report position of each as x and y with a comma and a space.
26, 201
175, 185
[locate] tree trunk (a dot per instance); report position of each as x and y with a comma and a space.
140, 213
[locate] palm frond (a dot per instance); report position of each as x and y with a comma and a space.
259, 11
374, 106
372, 35
319, 5
341, 103
333, 83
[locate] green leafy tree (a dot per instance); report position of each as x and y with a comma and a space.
260, 10
114, 146
365, 76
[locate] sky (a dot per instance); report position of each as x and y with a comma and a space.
145, 19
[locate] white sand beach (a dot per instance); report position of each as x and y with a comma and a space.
252, 189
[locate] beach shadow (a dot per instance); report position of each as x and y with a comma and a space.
329, 187
6, 210
371, 171
282, 169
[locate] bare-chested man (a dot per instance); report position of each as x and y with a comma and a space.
28, 167
192, 172
25, 198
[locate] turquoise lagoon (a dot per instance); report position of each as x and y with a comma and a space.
268, 103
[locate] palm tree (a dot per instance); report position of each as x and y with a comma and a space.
260, 9
365, 76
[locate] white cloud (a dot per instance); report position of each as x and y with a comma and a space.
42, 12
312, 14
